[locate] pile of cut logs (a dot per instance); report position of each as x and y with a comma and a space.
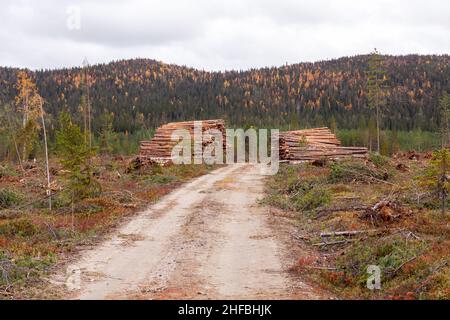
315, 144
160, 147
300, 145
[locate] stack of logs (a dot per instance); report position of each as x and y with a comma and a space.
160, 147
300, 145
315, 144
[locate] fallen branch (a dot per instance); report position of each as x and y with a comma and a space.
320, 244
348, 232
412, 234
430, 276
36, 201
320, 268
52, 230
130, 205
401, 266
386, 210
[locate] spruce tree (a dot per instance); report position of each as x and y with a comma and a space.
75, 155
437, 175
106, 134
444, 106
333, 125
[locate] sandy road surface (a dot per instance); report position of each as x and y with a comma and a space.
210, 239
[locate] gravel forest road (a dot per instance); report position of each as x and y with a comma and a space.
209, 239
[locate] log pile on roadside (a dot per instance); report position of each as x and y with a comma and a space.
300, 145
160, 147
315, 144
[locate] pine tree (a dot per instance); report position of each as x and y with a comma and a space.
375, 79
372, 131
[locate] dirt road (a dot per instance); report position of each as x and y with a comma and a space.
210, 239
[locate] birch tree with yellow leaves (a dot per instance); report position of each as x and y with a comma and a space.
30, 103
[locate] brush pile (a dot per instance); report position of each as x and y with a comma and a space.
315, 144
160, 147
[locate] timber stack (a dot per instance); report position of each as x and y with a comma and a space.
160, 147
315, 144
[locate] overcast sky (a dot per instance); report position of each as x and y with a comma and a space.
216, 35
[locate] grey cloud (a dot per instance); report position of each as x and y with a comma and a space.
126, 23
218, 35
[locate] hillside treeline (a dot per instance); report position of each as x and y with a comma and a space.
144, 93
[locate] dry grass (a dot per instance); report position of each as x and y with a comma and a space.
33, 240
411, 243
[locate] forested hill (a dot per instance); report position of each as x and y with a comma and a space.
146, 93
